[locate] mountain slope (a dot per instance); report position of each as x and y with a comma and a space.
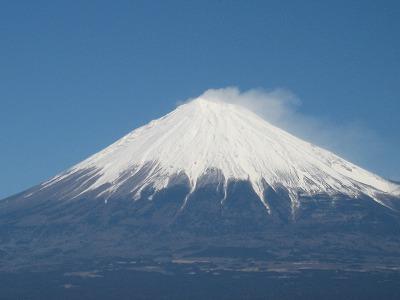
211, 180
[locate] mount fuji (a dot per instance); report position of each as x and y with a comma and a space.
210, 179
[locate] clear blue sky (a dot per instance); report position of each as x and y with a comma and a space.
77, 75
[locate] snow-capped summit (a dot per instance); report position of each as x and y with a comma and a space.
206, 134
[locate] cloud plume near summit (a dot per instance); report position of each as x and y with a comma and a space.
353, 140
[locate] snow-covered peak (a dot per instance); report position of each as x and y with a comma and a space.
210, 134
